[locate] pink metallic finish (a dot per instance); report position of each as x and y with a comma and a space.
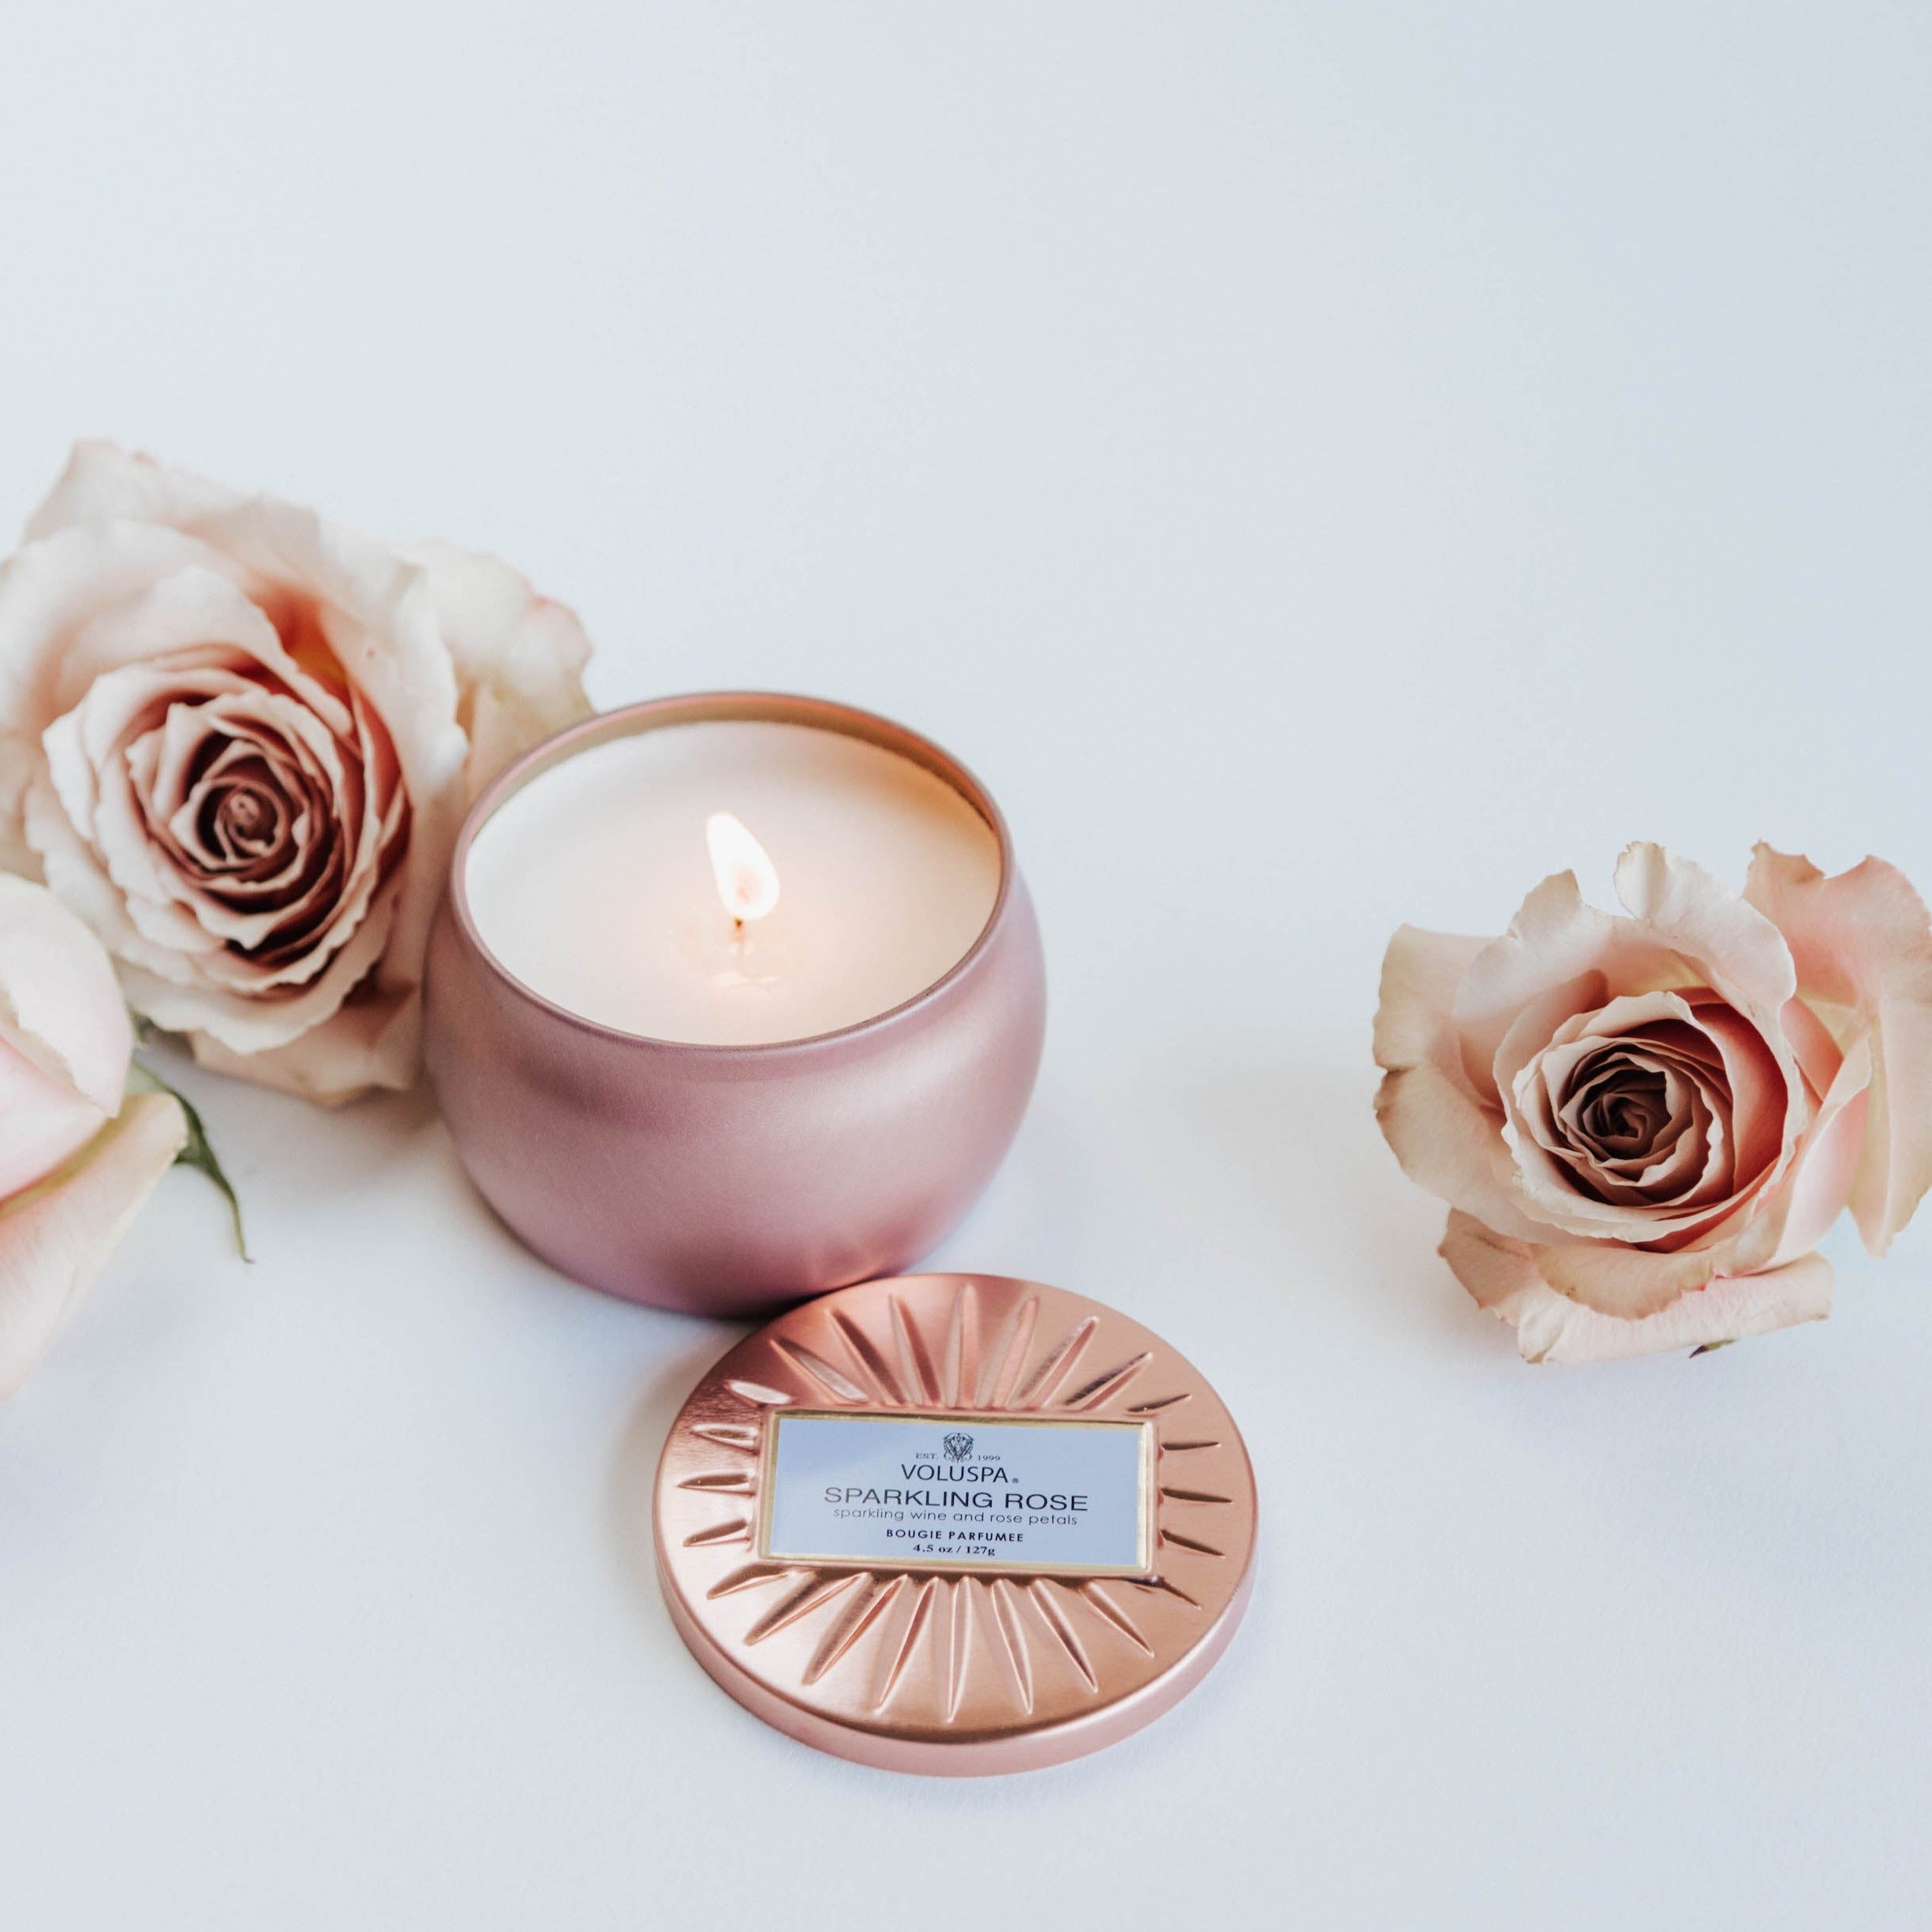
926, 1668
728, 1180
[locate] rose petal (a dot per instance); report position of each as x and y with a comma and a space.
101, 790
64, 1035
1502, 1276
1819, 1058
59, 1004
1679, 1159
1450, 1145
1862, 943
103, 482
1545, 1187
1624, 1281
244, 1021
90, 601
1413, 1015
1557, 1015
54, 1237
374, 1040
1554, 939
519, 657
51, 591
1446, 1140
1820, 1180
1738, 951
344, 843
1769, 1104
44, 1118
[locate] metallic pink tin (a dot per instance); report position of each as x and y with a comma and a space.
728, 1180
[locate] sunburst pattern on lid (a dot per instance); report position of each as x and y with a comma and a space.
922, 1653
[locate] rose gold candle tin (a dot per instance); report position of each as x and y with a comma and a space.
945, 1659
730, 1179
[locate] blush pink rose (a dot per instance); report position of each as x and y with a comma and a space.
238, 740
76, 1160
1643, 1124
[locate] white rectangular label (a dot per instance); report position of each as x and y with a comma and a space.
971, 1491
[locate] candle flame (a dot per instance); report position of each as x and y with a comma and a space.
747, 879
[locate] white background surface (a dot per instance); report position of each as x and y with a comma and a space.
1323, 465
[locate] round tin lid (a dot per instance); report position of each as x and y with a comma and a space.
955, 1524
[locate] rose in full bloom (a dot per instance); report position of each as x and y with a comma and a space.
238, 740
1643, 1123
76, 1160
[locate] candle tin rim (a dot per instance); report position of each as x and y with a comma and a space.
757, 707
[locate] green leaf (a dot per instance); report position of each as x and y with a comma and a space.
199, 1152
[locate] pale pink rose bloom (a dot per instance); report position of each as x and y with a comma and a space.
76, 1160
239, 741
1644, 1124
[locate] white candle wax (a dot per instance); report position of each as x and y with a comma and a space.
594, 885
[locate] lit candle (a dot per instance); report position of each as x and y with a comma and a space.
733, 999
730, 882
